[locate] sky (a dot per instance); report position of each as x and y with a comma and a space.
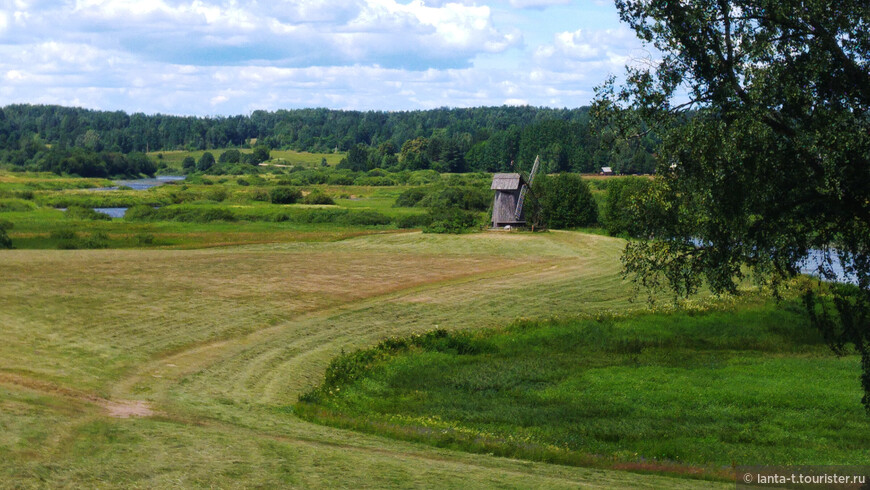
212, 57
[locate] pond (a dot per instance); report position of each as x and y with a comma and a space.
142, 184
113, 212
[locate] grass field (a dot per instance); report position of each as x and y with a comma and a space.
750, 383
213, 347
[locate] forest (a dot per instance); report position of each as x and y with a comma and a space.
99, 143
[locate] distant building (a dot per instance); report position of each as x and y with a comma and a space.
606, 171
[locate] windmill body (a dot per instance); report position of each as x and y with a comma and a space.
510, 193
508, 188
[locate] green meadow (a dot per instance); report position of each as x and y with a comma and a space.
200, 342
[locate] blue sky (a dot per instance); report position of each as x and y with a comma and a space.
211, 57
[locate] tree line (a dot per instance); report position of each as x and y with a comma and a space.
447, 140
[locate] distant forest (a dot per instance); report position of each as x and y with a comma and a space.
75, 140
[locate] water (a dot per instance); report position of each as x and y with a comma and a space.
113, 212
142, 184
816, 258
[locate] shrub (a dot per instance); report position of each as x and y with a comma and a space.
340, 180
218, 194
242, 182
284, 195
261, 195
140, 212
5, 241
367, 218
565, 201
414, 221
16, 205
374, 181
83, 213
194, 214
97, 239
451, 220
410, 197
317, 197
463, 197
144, 239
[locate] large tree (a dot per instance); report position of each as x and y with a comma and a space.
762, 110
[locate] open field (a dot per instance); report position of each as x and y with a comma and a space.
216, 345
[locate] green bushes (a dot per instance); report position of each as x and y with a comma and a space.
374, 181
68, 239
414, 221
5, 241
410, 197
317, 197
186, 214
16, 205
564, 201
463, 197
83, 213
284, 195
367, 218
451, 220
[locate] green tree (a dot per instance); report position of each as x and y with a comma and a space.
206, 161
260, 154
767, 160
188, 164
230, 156
565, 201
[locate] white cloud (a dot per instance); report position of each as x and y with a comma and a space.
537, 4
235, 56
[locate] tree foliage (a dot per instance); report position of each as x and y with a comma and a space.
767, 160
565, 201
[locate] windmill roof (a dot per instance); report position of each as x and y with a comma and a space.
506, 182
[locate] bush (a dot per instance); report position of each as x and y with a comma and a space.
451, 220
340, 180
218, 194
463, 197
374, 181
16, 205
414, 221
140, 213
194, 214
317, 197
83, 213
260, 195
410, 197
565, 201
242, 182
284, 195
367, 218
5, 241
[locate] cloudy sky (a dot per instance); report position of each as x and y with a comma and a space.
214, 57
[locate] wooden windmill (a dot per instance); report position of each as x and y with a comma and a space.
510, 193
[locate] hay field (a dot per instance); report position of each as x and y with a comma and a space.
174, 368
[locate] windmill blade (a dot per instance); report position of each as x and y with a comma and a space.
519, 212
534, 169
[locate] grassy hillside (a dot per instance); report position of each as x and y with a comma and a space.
212, 348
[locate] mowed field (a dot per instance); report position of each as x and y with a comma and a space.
143, 368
